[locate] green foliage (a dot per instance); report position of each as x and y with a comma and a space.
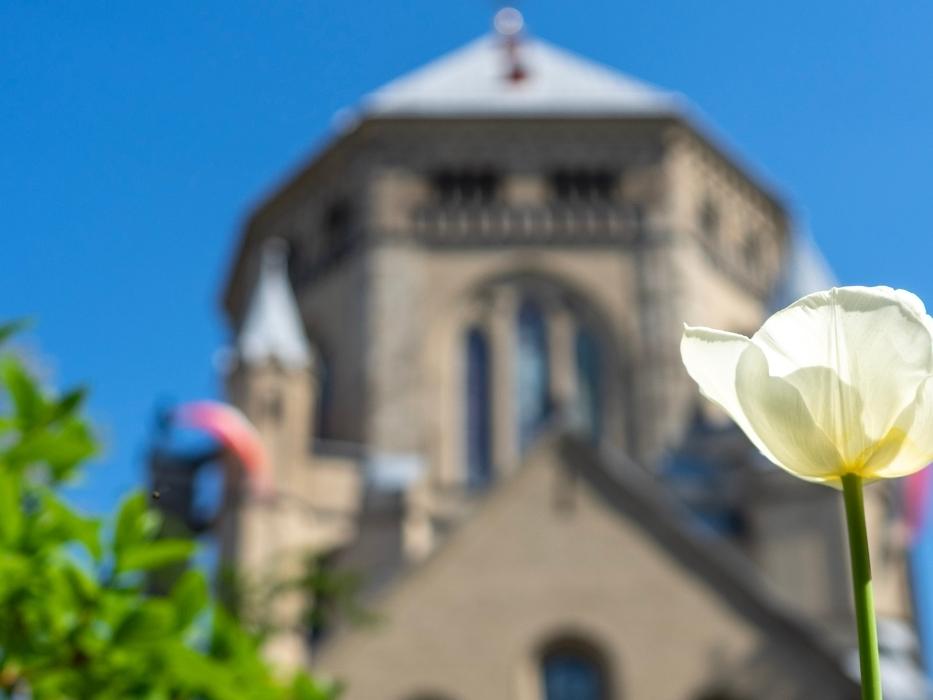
76, 619
331, 598
333, 594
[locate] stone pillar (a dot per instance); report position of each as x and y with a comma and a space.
502, 342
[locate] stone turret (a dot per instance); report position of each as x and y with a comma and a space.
273, 382
275, 379
309, 505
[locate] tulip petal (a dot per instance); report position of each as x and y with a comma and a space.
711, 358
834, 403
879, 345
780, 419
908, 299
908, 446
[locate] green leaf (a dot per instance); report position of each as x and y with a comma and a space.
61, 523
155, 555
306, 688
72, 444
69, 404
190, 597
12, 328
11, 509
14, 573
229, 640
61, 447
134, 523
204, 675
83, 587
27, 399
149, 622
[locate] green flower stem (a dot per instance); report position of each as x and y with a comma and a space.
861, 582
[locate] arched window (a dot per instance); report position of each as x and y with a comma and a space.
588, 409
478, 423
571, 670
532, 372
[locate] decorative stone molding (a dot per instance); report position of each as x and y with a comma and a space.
562, 224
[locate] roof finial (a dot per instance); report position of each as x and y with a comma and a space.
508, 24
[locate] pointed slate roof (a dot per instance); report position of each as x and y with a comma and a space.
272, 328
474, 81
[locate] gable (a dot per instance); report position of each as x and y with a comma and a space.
473, 81
559, 550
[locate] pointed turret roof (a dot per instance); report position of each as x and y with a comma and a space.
272, 328
475, 80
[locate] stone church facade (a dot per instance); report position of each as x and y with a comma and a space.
457, 330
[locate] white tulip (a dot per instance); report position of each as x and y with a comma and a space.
837, 383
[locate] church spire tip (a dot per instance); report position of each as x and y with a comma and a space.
508, 24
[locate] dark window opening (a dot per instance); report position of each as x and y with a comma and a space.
573, 671
588, 409
584, 185
272, 406
709, 220
292, 262
300, 262
532, 368
323, 428
466, 187
725, 521
699, 477
478, 415
335, 230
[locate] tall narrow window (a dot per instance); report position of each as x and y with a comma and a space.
323, 428
572, 672
336, 229
478, 424
588, 409
531, 373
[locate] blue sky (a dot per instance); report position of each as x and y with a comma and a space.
135, 138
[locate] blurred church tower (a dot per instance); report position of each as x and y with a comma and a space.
497, 249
